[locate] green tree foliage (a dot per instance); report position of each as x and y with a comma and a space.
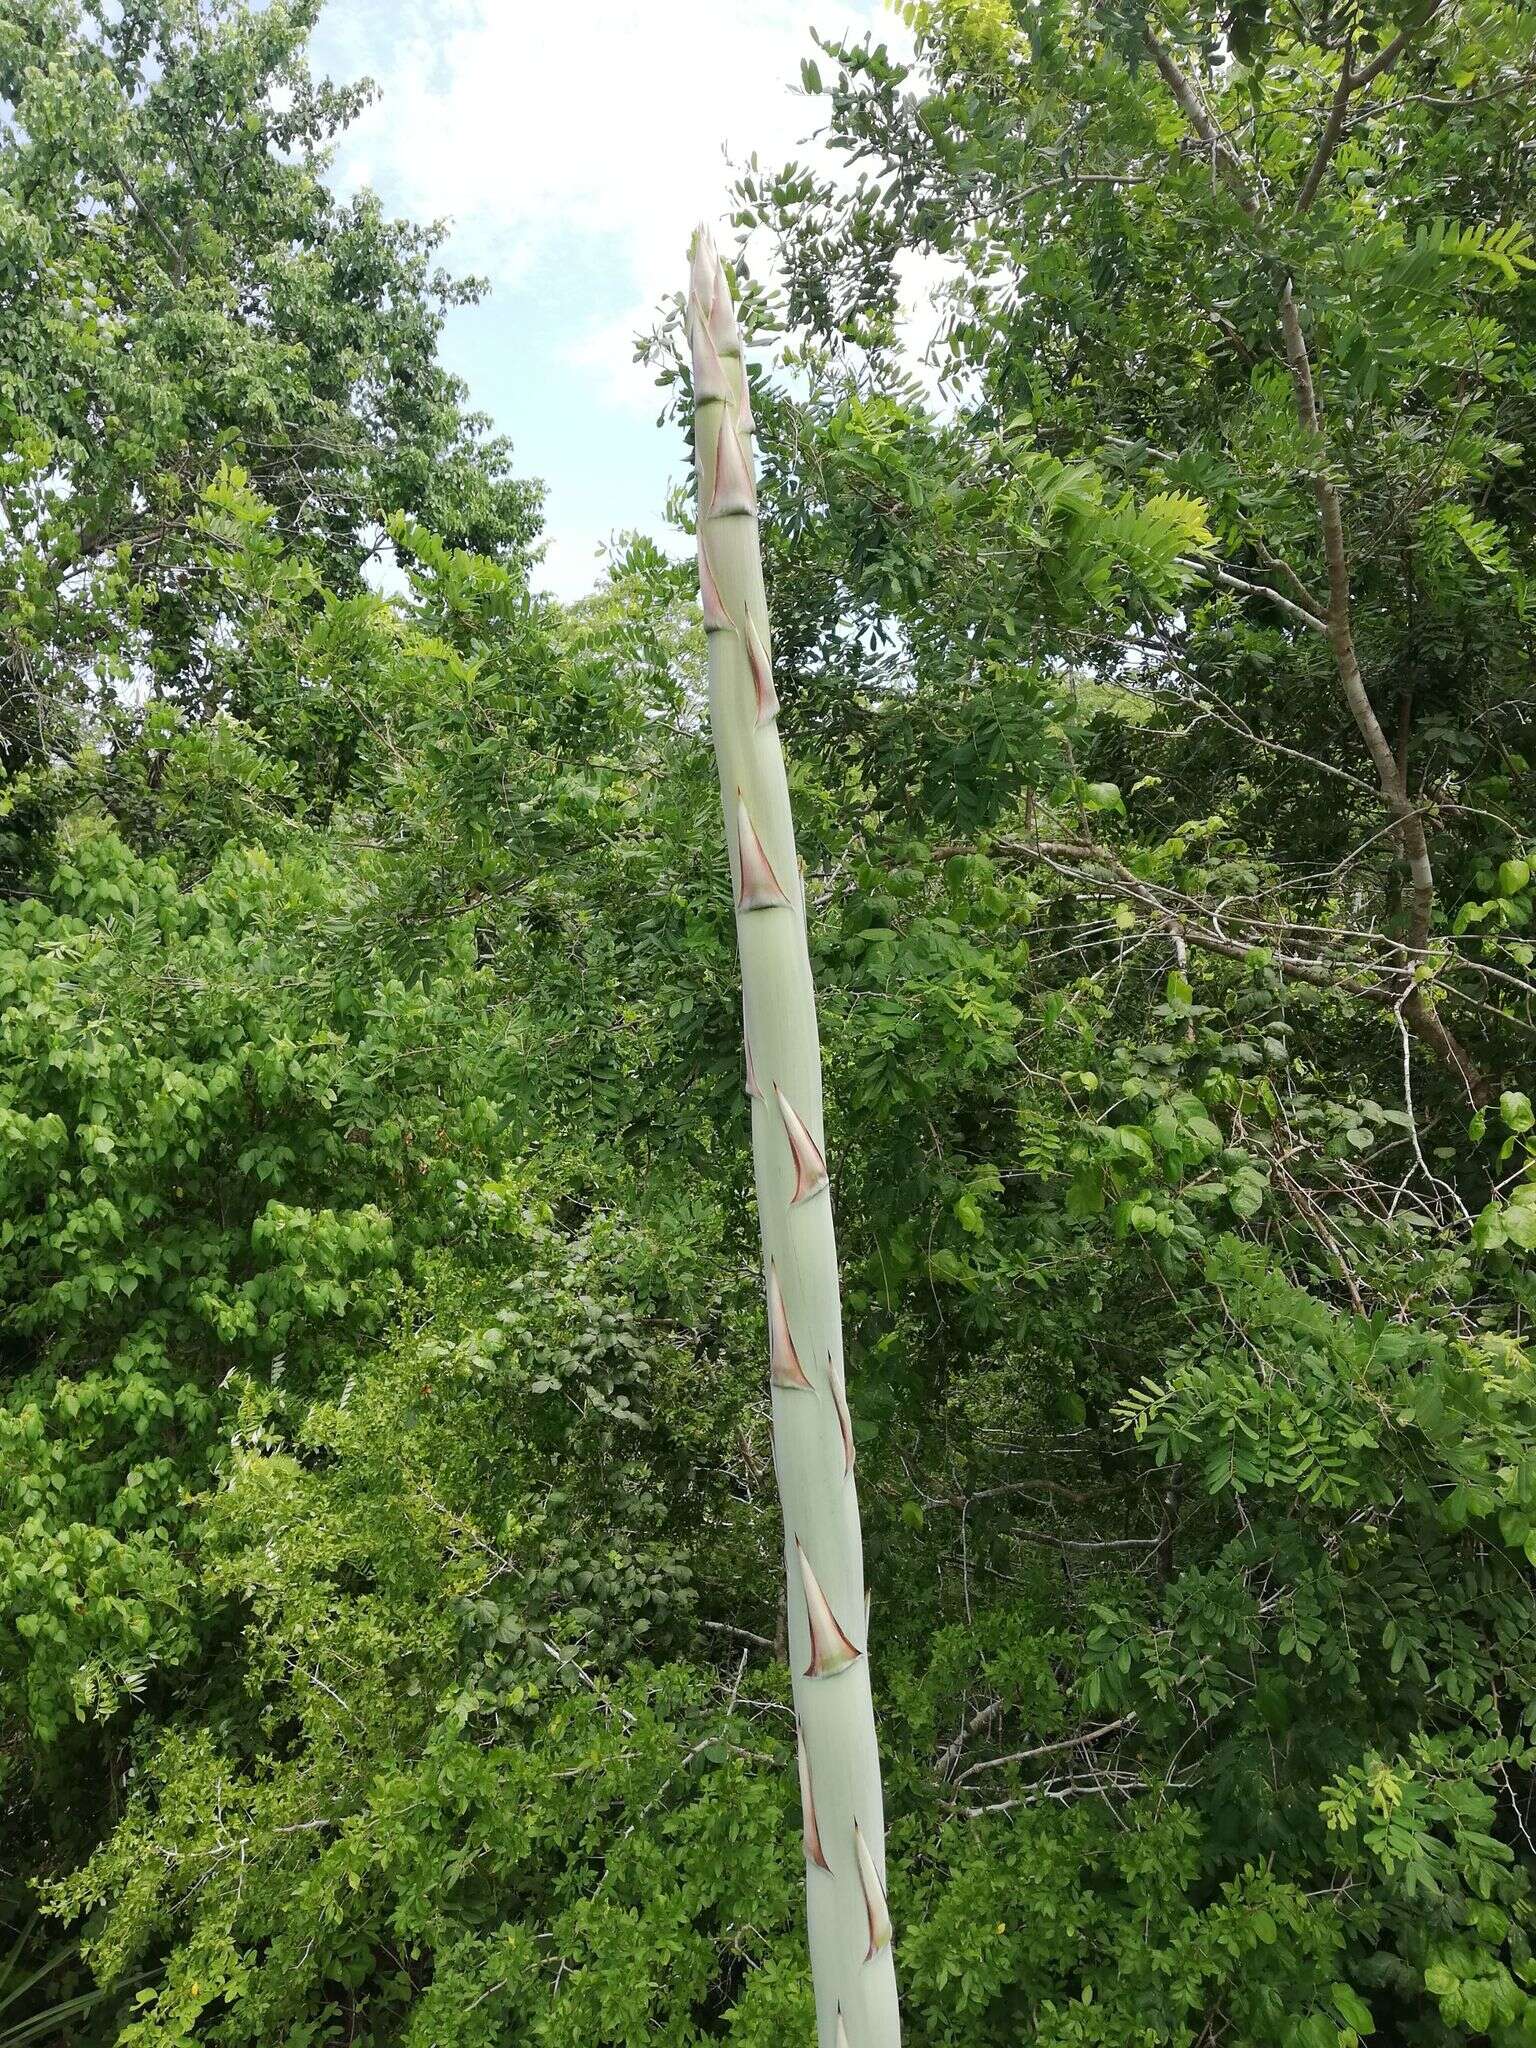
182, 291
391, 1647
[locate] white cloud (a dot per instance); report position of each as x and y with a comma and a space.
600, 119
573, 147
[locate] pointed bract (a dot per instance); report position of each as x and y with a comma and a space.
842, 2032
716, 618
844, 1419
709, 379
810, 1167
709, 297
813, 1849
759, 888
701, 271
831, 1650
734, 490
762, 675
722, 313
874, 1896
753, 1089
784, 1367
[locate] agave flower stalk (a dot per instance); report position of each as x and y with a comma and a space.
850, 1929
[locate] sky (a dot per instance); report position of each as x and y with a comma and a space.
573, 145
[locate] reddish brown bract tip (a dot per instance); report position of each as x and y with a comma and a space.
759, 886
753, 1089
784, 1367
762, 676
810, 1168
813, 1849
874, 1896
716, 618
831, 1649
840, 1403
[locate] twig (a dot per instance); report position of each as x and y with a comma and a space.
742, 1635
982, 1718
1024, 1756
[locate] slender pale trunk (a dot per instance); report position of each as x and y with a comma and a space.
850, 1931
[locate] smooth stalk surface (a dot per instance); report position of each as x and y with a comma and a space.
850, 1930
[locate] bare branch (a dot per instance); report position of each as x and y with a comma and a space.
1350, 83
1274, 561
982, 1718
1192, 105
1340, 977
1332, 130
1418, 1011
1061, 1790
1023, 1756
1204, 566
740, 1635
1387, 57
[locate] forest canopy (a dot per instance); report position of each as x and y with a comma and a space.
392, 1625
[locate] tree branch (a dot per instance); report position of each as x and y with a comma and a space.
1061, 1790
1350, 83
1120, 881
1192, 105
1387, 57
1415, 1007
1024, 1756
1303, 617
982, 1718
741, 1635
1417, 1010
1332, 130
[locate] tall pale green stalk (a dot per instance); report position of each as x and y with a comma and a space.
850, 1930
